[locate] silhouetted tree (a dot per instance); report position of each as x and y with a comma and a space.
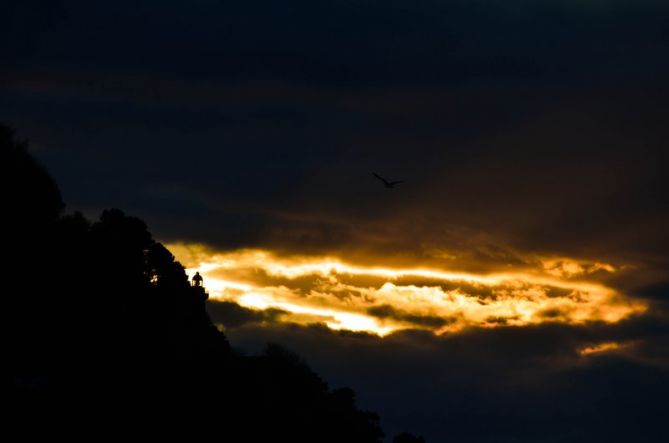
29, 192
406, 437
105, 328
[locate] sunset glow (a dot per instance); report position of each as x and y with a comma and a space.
382, 300
601, 347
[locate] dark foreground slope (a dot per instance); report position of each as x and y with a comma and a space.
103, 330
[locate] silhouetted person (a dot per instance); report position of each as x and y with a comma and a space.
197, 279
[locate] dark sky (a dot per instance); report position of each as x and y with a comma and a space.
523, 128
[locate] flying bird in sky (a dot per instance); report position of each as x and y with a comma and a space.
386, 183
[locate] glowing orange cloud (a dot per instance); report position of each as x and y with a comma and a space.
602, 347
382, 300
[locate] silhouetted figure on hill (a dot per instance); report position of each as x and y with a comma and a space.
197, 279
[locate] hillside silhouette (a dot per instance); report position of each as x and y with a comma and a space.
105, 329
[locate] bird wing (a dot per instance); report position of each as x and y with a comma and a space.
397, 182
385, 182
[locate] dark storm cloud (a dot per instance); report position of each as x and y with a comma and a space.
519, 384
231, 315
341, 42
517, 125
658, 292
387, 311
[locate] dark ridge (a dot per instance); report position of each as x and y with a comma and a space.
107, 332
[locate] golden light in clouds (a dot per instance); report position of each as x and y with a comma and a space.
602, 347
382, 300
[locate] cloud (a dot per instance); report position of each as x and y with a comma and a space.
429, 321
231, 315
514, 383
383, 299
602, 348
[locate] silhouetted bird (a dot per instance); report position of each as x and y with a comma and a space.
386, 183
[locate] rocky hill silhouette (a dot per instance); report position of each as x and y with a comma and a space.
105, 329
